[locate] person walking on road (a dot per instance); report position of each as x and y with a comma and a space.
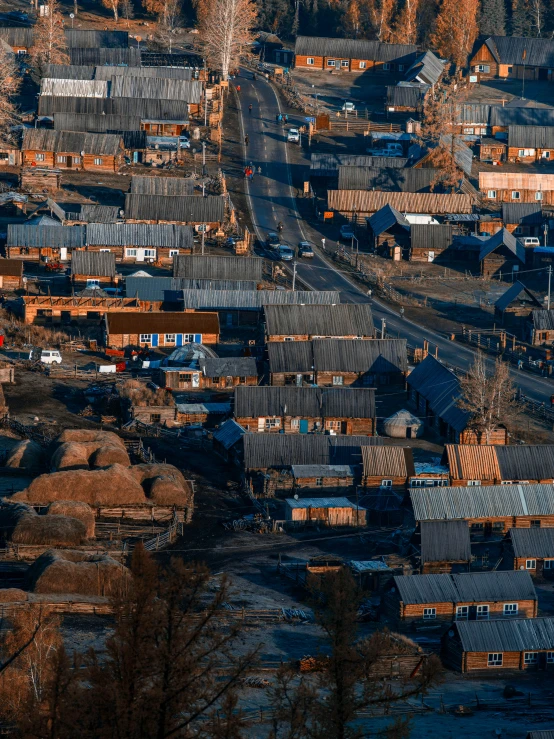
250, 108
259, 170
238, 89
246, 140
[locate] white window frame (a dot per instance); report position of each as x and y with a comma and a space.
483, 131
289, 338
145, 338
333, 424
468, 130
386, 483
310, 61
530, 658
188, 338
545, 155
386, 66
363, 65
483, 68
76, 160
272, 423
516, 195
105, 251
173, 252
530, 564
39, 157
130, 252
491, 194
331, 62
149, 253
92, 282
319, 482
295, 423
510, 609
550, 658
495, 659
338, 380
462, 613
539, 195
169, 338
344, 63
98, 161
61, 159
483, 612
473, 483
429, 614
507, 482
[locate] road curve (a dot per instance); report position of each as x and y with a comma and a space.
271, 199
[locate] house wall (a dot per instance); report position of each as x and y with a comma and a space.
525, 196
520, 563
399, 483
484, 56
541, 337
496, 152
154, 413
280, 379
473, 661
331, 516
210, 226
309, 337
496, 264
447, 611
291, 425
9, 282
78, 309
174, 381
455, 482
359, 379
121, 341
443, 567
31, 253
537, 155
309, 484
82, 280
86, 162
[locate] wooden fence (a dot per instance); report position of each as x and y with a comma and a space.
160, 541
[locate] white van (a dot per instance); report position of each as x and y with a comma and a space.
530, 241
47, 356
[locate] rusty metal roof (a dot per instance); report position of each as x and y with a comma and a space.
388, 461
369, 201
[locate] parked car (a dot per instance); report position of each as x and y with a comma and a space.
388, 150
273, 241
530, 241
184, 143
346, 231
305, 250
293, 136
46, 356
348, 107
286, 253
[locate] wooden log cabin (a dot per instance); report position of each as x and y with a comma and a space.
389, 231
489, 509
197, 267
392, 468
519, 187
35, 243
304, 410
513, 57
533, 550
492, 149
541, 328
514, 308
502, 255
363, 203
93, 269
523, 219
353, 55
306, 322
322, 479
431, 243
19, 39
164, 330
324, 511
11, 274
207, 212
209, 414
529, 144
140, 242
211, 373
467, 596
481, 647
433, 391
444, 546
91, 152
499, 465
44, 309
108, 123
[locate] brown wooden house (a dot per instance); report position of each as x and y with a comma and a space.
533, 550
516, 187
502, 255
499, 465
389, 231
35, 243
306, 322
194, 210
498, 645
140, 242
323, 479
305, 410
92, 152
529, 144
387, 467
324, 511
93, 269
492, 149
444, 546
44, 309
541, 329
160, 329
523, 219
467, 596
513, 57
211, 373
353, 55
515, 307
11, 274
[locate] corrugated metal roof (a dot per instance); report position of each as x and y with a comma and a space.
445, 541
466, 587
140, 235
369, 355
101, 144
503, 238
262, 451
441, 388
97, 263
528, 214
433, 237
386, 218
365, 202
405, 96
515, 181
327, 164
216, 408
228, 366
74, 88
506, 635
393, 180
91, 213
531, 137
156, 288
162, 110
162, 185
322, 470
83, 56
162, 323
427, 68
321, 503
152, 88
311, 402
46, 236
348, 319
254, 299
536, 543
354, 49
98, 123
472, 462
388, 461
543, 320
218, 268
513, 293
482, 502
186, 209
80, 39
229, 433
15, 36
538, 52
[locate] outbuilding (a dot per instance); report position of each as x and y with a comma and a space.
93, 269
324, 511
160, 329
11, 274
533, 550
445, 546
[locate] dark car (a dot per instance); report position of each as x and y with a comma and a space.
273, 240
305, 250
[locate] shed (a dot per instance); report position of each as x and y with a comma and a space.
393, 180
387, 467
404, 98
226, 440
533, 550
515, 306
501, 254
429, 241
326, 511
192, 209
542, 326
326, 164
322, 477
390, 231
403, 425
11, 274
90, 268
445, 546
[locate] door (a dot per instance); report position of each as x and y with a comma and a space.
69, 162
154, 339
66, 316
488, 528
409, 432
299, 380
196, 379
135, 157
179, 340
343, 427
228, 382
543, 73
140, 255
261, 424
431, 256
303, 426
228, 319
63, 253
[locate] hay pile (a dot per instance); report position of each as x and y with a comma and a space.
80, 449
115, 485
75, 572
137, 393
164, 485
75, 509
12, 595
21, 524
25, 455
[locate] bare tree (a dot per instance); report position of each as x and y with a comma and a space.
406, 24
489, 398
456, 29
49, 45
127, 10
225, 31
10, 82
380, 13
169, 21
114, 6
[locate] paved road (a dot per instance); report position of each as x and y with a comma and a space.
271, 200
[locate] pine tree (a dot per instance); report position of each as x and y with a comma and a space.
456, 30
493, 18
521, 22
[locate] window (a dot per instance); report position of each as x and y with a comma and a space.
538, 195
39, 157
363, 65
130, 252
515, 195
483, 68
498, 526
215, 380
526, 152
483, 131
145, 338
400, 67
422, 482
319, 481
184, 377
333, 424
344, 63
477, 527
530, 564
462, 613
386, 66
491, 194
510, 609
272, 423
507, 482
188, 339
331, 62
310, 61
76, 160
173, 252
93, 315
546, 155
530, 658
289, 338
549, 564
61, 159
495, 659
386, 483
337, 380
150, 253
468, 130
93, 283
510, 70
169, 339
98, 161
295, 423
155, 417
535, 523
550, 657
429, 614
482, 613
472, 483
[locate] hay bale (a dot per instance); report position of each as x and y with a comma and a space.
21, 524
85, 436
109, 454
115, 485
73, 455
75, 509
76, 573
164, 485
70, 456
12, 595
26, 455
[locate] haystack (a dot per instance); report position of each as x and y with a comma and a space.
72, 455
12, 595
115, 485
21, 524
75, 509
74, 572
164, 485
25, 455
85, 436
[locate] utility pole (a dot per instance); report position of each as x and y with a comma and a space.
293, 275
203, 158
549, 278
383, 327
203, 236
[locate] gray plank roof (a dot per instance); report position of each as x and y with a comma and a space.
290, 356
441, 388
531, 137
262, 451
539, 52
97, 123
513, 293
229, 433
427, 68
254, 300
77, 38
228, 366
503, 116
91, 212
101, 144
526, 214
535, 543
369, 355
70, 71
405, 96
187, 208
162, 185
347, 319
107, 71
155, 288
218, 268
386, 179
94, 263
83, 88
15, 36
503, 238
526, 462
46, 236
388, 461
321, 503
445, 541
311, 402
541, 734
354, 49
467, 587
322, 470
386, 218
84, 56
543, 320
434, 237
482, 502
506, 635
161, 110
140, 234
162, 89
327, 164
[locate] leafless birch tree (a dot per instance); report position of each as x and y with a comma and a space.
50, 45
10, 81
225, 31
